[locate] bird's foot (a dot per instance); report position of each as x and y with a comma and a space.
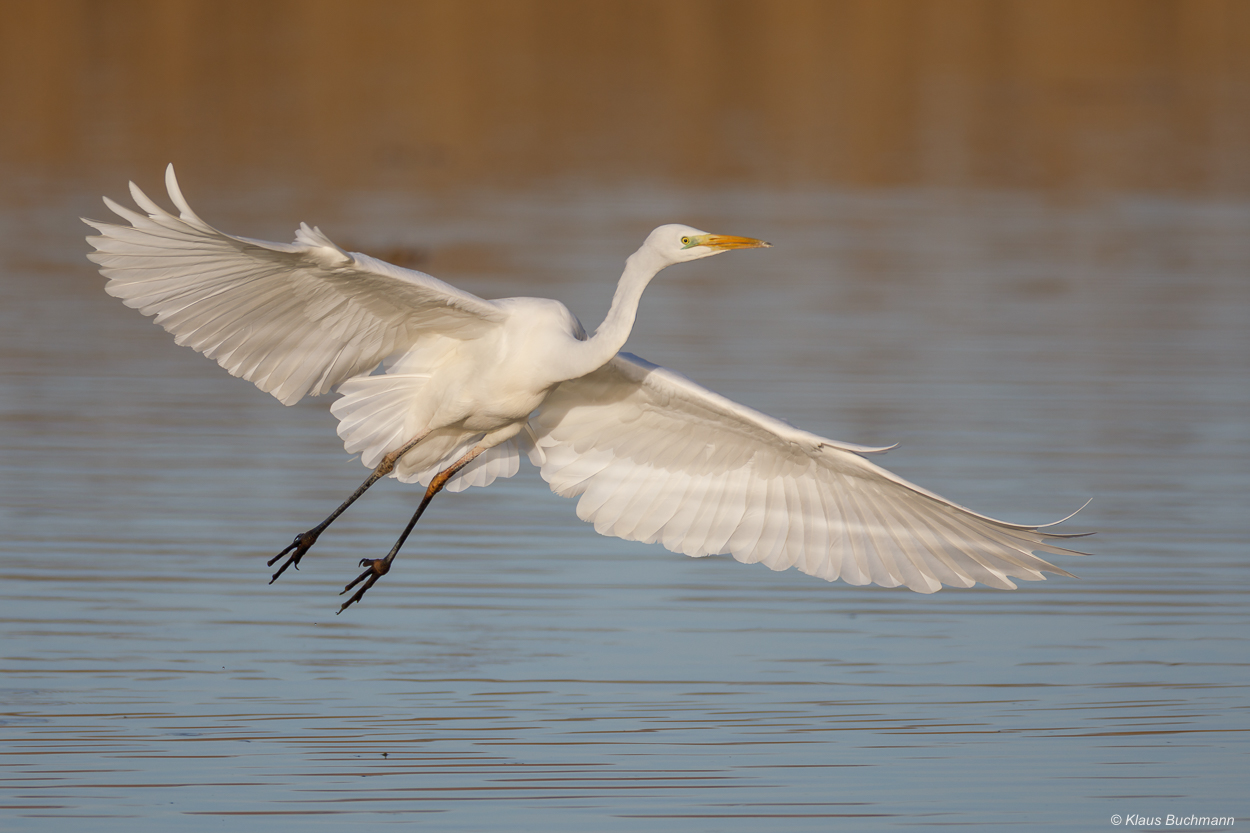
302, 543
376, 568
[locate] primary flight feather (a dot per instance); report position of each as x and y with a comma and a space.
470, 385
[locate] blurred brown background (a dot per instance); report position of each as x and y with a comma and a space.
1070, 95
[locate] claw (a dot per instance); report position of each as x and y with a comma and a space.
302, 543
377, 567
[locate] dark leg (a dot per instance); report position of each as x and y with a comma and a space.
304, 541
379, 567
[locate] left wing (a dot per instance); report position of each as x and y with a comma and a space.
656, 457
292, 318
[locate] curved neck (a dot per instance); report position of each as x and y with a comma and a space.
611, 335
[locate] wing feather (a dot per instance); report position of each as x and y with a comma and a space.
293, 318
730, 512
655, 457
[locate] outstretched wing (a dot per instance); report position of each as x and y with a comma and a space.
293, 318
656, 457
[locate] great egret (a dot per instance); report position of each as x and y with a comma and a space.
470, 384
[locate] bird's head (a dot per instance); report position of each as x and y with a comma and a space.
676, 243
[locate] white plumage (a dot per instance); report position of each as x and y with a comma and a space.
655, 457
651, 455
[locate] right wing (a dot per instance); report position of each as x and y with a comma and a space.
293, 319
656, 457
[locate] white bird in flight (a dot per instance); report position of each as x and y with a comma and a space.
471, 384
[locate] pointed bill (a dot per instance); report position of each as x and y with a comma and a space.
724, 242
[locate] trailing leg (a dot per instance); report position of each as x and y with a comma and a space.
304, 541
378, 567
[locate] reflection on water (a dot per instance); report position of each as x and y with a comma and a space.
517, 671
1040, 94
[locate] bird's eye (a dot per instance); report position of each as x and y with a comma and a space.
685, 241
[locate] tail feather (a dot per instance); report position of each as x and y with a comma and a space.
378, 414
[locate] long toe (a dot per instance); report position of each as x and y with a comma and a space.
302, 544
375, 569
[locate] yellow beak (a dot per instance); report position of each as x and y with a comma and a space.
724, 242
